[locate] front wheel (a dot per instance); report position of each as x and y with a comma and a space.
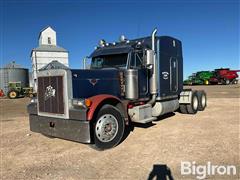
206, 82
108, 128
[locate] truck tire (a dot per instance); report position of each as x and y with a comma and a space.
202, 100
12, 94
108, 128
235, 81
183, 108
193, 107
226, 81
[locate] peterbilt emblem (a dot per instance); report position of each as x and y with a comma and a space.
50, 92
93, 81
165, 75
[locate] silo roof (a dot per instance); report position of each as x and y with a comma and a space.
50, 48
13, 65
54, 65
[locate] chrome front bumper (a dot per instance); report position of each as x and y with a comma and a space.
76, 129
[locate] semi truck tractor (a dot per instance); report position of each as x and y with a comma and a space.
129, 82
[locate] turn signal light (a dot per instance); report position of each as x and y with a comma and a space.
88, 102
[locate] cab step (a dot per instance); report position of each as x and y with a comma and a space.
144, 121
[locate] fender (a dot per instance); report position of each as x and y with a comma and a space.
96, 101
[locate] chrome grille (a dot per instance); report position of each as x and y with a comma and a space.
50, 94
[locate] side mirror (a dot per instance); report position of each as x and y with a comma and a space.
149, 59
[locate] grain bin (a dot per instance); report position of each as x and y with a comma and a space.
13, 73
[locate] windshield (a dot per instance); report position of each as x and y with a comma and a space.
108, 61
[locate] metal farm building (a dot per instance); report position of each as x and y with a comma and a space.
13, 73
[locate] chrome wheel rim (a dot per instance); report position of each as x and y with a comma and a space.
106, 128
195, 103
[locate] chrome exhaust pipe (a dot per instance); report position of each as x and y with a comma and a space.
153, 38
153, 79
84, 62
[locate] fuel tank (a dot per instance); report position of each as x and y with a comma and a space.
131, 84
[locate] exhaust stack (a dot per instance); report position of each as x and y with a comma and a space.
153, 79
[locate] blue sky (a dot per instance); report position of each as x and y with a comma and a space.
209, 30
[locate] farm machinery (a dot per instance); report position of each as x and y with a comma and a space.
199, 78
218, 76
1, 93
189, 80
224, 76
16, 90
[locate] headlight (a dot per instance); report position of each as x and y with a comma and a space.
78, 102
85, 103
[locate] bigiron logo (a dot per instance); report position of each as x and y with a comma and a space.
202, 171
50, 92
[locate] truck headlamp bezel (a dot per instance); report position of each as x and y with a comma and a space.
79, 103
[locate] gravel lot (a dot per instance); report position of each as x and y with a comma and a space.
211, 135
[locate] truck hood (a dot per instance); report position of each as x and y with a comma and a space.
88, 83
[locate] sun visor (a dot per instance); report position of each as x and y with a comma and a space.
109, 51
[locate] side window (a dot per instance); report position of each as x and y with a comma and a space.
132, 62
139, 59
136, 60
49, 40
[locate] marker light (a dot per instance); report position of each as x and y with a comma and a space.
88, 102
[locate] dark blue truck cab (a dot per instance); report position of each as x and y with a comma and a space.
128, 81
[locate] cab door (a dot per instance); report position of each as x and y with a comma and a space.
136, 62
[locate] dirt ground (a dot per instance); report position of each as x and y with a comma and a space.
211, 135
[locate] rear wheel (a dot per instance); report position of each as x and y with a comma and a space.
226, 81
193, 107
235, 81
12, 94
202, 100
108, 128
